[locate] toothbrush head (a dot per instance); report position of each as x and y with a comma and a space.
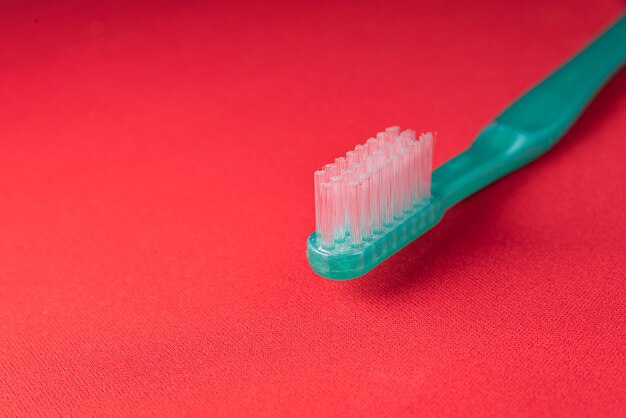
371, 203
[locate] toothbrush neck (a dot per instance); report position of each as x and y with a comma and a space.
496, 152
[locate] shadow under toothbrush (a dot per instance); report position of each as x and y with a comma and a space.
460, 236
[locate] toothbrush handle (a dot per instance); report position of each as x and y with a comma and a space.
535, 122
551, 107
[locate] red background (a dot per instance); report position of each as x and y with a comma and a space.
156, 167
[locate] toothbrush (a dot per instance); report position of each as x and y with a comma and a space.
380, 197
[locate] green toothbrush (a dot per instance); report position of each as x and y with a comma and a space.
380, 197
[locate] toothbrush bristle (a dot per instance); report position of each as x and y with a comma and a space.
372, 188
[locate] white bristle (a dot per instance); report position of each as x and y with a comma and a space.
373, 187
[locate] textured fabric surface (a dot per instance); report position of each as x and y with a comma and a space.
156, 166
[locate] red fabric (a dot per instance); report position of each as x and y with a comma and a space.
156, 169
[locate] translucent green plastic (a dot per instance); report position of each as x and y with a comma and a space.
522, 133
